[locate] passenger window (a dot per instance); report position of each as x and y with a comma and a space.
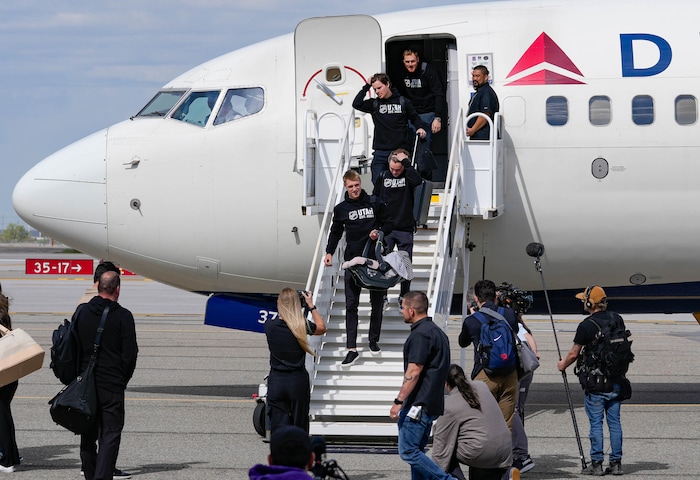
239, 103
197, 108
599, 110
643, 110
686, 109
557, 111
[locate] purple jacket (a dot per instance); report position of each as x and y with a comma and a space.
277, 472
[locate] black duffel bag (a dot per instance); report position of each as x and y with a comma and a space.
75, 406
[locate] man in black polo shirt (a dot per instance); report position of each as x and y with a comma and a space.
426, 359
483, 101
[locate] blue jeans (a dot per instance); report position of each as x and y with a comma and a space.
380, 162
413, 437
604, 404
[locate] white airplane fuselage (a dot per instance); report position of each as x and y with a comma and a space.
217, 208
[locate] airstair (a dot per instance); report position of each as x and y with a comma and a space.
355, 401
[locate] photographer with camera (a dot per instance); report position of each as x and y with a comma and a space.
290, 456
520, 301
289, 389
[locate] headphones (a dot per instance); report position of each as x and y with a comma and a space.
587, 294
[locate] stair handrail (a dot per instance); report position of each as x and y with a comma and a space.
334, 196
451, 190
494, 128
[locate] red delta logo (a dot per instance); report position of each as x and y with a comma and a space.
545, 63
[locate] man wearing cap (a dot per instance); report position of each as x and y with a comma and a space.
598, 404
290, 457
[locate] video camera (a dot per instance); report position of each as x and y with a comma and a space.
325, 469
517, 300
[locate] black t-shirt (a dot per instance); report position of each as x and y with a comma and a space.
428, 345
286, 355
587, 330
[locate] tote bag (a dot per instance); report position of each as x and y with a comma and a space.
20, 355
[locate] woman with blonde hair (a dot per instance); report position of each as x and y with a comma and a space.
288, 386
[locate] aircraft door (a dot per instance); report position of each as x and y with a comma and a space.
334, 56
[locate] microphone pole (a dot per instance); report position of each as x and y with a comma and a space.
536, 250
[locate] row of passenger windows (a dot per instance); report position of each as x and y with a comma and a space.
198, 107
600, 110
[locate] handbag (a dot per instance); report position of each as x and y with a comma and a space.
20, 355
75, 406
527, 359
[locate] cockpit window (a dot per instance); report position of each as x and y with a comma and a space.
239, 103
160, 105
197, 107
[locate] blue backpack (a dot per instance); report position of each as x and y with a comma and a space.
496, 348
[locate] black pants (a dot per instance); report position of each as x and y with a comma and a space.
8, 442
475, 473
288, 398
403, 241
352, 301
107, 432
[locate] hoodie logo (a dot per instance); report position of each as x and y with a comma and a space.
545, 63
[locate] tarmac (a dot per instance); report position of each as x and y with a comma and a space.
189, 407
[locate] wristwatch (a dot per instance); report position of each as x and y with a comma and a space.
438, 119
313, 308
398, 402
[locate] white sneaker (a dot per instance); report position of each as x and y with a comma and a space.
9, 469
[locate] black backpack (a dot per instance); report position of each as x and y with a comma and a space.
608, 357
65, 351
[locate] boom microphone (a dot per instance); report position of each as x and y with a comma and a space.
534, 249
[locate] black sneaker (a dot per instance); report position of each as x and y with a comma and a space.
615, 468
595, 468
350, 358
374, 348
524, 464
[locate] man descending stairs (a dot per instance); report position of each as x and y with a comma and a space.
355, 400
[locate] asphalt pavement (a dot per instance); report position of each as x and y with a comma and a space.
189, 406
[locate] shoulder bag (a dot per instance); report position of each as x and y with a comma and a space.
75, 406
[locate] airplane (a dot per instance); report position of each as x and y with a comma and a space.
210, 186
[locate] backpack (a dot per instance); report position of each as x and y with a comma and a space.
607, 358
496, 348
65, 350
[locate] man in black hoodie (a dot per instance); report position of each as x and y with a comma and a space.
393, 191
355, 216
390, 114
116, 362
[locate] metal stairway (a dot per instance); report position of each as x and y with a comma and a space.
355, 401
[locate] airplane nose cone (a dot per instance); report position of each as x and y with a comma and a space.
64, 195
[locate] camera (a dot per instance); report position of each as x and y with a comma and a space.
302, 299
517, 300
325, 469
